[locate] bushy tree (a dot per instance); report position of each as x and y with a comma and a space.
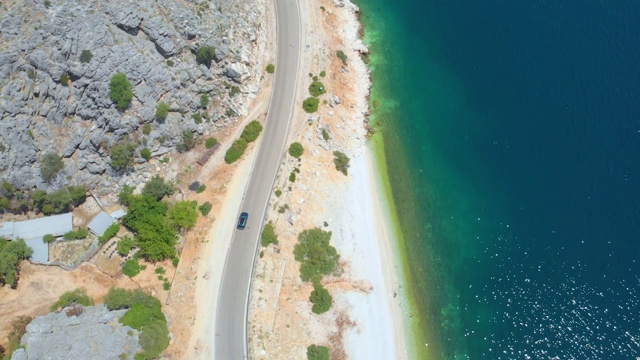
120, 91
157, 187
235, 151
59, 200
125, 245
251, 131
341, 161
144, 314
155, 236
316, 256
310, 105
183, 214
11, 252
205, 54
50, 166
320, 298
316, 89
162, 111
131, 268
268, 235
122, 155
296, 149
317, 352
78, 194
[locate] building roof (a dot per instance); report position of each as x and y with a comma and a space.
6, 231
33, 230
118, 214
100, 223
40, 250
55, 225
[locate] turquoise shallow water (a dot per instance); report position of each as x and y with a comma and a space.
512, 140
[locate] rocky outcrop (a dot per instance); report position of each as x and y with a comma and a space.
154, 43
93, 334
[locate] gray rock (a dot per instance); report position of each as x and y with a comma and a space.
94, 334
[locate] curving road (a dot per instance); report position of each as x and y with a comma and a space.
233, 298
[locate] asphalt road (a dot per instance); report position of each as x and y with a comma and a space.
233, 298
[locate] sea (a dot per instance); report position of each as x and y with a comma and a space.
511, 139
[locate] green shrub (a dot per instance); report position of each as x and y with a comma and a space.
201, 189
48, 238
159, 270
230, 113
251, 131
125, 245
31, 74
85, 56
205, 54
205, 208
320, 298
283, 208
144, 314
296, 150
278, 192
197, 118
234, 90
170, 63
123, 196
64, 79
268, 235
323, 73
131, 268
310, 105
120, 91
145, 154
146, 129
166, 286
77, 296
341, 161
175, 261
76, 235
317, 352
158, 188
188, 141
50, 166
292, 176
271, 68
235, 151
316, 89
18, 329
342, 56
162, 111
162, 139
204, 101
316, 256
211, 142
111, 231
183, 214
122, 155
325, 134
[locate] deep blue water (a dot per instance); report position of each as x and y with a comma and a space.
512, 133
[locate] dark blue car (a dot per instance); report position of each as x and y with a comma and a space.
242, 221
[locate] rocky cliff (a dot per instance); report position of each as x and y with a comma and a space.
56, 61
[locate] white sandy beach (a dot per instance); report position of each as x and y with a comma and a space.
364, 240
